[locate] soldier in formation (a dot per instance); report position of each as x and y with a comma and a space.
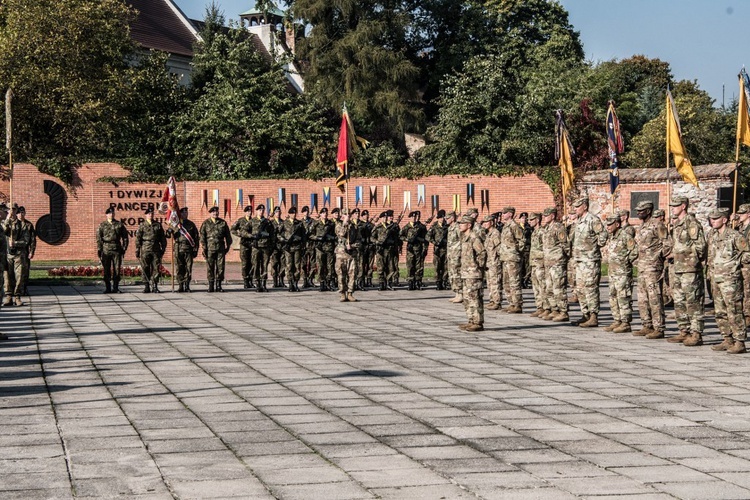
3, 258
453, 257
308, 255
366, 251
437, 235
494, 266
262, 237
216, 240
622, 252
293, 237
414, 234
277, 264
743, 213
387, 242
536, 261
473, 261
324, 236
111, 243
589, 236
512, 247
20, 234
242, 229
347, 246
31, 250
186, 242
150, 245
556, 249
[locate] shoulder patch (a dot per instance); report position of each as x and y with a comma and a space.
693, 231
562, 234
742, 244
598, 226
661, 230
630, 243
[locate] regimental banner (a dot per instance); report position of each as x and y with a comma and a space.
251, 201
313, 202
295, 199
357, 196
216, 198
282, 197
420, 195
387, 196
227, 208
485, 194
457, 203
407, 200
470, 193
239, 199
374, 195
204, 198
435, 203
269, 206
326, 196
340, 202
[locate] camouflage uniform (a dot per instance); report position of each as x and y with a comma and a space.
242, 229
536, 263
512, 245
438, 236
570, 270
324, 236
216, 240
688, 254
556, 248
365, 255
473, 261
454, 257
277, 263
415, 235
292, 238
744, 229
185, 252
150, 245
3, 261
386, 238
653, 243
112, 243
589, 237
494, 267
346, 256
308, 257
622, 252
29, 256
19, 234
262, 233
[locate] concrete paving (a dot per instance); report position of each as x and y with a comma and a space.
298, 396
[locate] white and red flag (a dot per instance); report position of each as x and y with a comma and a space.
170, 206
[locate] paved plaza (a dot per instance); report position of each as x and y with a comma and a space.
298, 396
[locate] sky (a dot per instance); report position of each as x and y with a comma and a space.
700, 39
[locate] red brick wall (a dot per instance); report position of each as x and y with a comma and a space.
88, 198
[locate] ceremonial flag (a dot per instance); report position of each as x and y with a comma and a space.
470, 193
314, 201
240, 198
407, 200
347, 146
374, 195
357, 195
616, 146
435, 203
743, 111
340, 202
457, 203
204, 198
564, 152
387, 195
420, 194
485, 195
295, 200
675, 146
227, 208
251, 201
215, 198
170, 206
326, 196
282, 197
269, 206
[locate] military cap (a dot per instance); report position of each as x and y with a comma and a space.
336, 211
22, 209
642, 206
149, 210
472, 211
383, 214
624, 212
277, 209
3, 206
718, 213
744, 208
389, 213
323, 210
509, 210
354, 211
535, 215
440, 214
550, 211
524, 214
488, 218
581, 201
467, 219
415, 213
305, 209
365, 212
676, 201
213, 209
658, 213
451, 214
110, 210
260, 207
611, 219
248, 208
292, 210
185, 209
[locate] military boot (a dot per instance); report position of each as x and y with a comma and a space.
547, 314
439, 285
210, 287
492, 306
463, 326
382, 286
265, 287
369, 282
147, 288
343, 298
411, 285
645, 330
246, 283
737, 348
181, 288
281, 282
591, 322
155, 288
17, 301
419, 285
726, 344
580, 320
459, 298
259, 288
187, 287
656, 334
560, 317
474, 327
514, 309
695, 339
536, 313
624, 327
116, 287
350, 297
680, 338
612, 326
107, 288
218, 286
291, 286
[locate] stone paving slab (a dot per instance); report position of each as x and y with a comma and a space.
278, 395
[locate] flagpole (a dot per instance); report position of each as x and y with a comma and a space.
172, 264
9, 140
736, 175
667, 218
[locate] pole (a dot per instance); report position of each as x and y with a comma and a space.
562, 189
9, 140
736, 175
173, 264
669, 184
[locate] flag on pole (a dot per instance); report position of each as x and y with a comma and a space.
347, 146
616, 147
564, 152
743, 111
675, 146
170, 206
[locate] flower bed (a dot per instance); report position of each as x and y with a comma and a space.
127, 271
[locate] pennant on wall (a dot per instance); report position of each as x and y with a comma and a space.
387, 196
457, 203
407, 200
326, 196
470, 193
216, 198
251, 201
340, 202
269, 206
435, 203
357, 196
227, 208
239, 198
204, 198
420, 194
374, 195
313, 202
485, 194
295, 199
282, 197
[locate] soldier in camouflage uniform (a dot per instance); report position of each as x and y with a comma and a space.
262, 234
365, 254
277, 263
3, 256
512, 245
19, 235
216, 240
242, 229
111, 243
625, 222
346, 254
415, 235
653, 243
570, 225
382, 235
668, 273
590, 235
494, 268
454, 257
186, 249
687, 253
473, 262
438, 236
556, 249
622, 252
324, 236
728, 251
308, 255
292, 238
150, 245
536, 262
744, 228
31, 250
523, 221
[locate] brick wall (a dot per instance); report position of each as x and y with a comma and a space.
88, 198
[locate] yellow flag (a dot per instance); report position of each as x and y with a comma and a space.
675, 146
743, 127
564, 152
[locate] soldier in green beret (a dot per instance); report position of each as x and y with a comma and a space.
438, 236
216, 240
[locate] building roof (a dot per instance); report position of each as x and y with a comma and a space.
255, 12
646, 175
161, 25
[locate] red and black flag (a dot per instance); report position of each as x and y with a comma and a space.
347, 146
615, 145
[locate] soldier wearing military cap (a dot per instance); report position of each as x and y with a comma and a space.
453, 256
3, 256
324, 235
589, 237
743, 216
438, 236
728, 252
523, 221
556, 249
30, 251
473, 262
216, 240
262, 237
186, 243
111, 243
536, 261
570, 225
346, 252
150, 245
242, 229
292, 237
277, 264
385, 236
493, 265
625, 222
622, 252
308, 255
415, 235
366, 251
510, 252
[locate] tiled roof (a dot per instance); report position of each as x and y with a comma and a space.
162, 26
646, 175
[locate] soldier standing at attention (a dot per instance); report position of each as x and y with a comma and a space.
415, 235
571, 270
150, 245
728, 251
512, 245
473, 261
3, 255
667, 274
454, 257
380, 239
111, 243
744, 228
277, 255
438, 236
625, 222
19, 240
493, 265
293, 236
688, 252
589, 237
263, 240
31, 251
556, 249
523, 221
308, 256
622, 253
242, 229
536, 262
216, 241
324, 236
346, 254
366, 251
186, 249
653, 243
